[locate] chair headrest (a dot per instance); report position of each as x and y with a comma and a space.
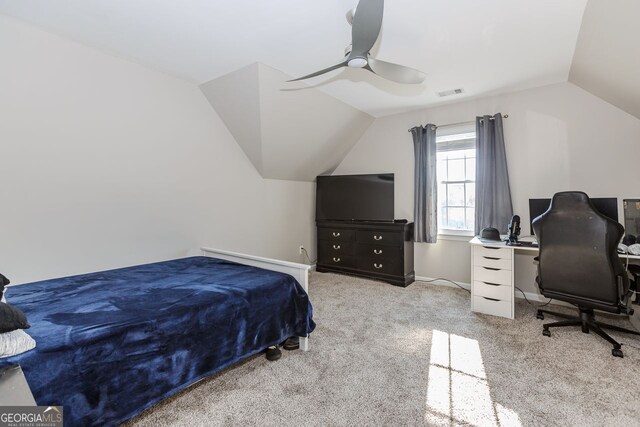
571, 200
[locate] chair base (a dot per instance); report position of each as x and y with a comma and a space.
587, 322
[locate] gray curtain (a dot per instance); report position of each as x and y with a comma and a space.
426, 184
493, 195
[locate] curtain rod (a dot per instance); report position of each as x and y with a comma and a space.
504, 116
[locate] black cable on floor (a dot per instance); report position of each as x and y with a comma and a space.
529, 302
446, 280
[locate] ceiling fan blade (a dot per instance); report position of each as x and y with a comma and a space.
349, 16
367, 22
395, 72
318, 73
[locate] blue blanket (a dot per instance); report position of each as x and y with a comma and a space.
111, 344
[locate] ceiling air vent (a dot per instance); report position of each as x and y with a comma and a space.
450, 92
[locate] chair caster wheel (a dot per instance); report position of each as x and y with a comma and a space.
540, 316
617, 352
546, 332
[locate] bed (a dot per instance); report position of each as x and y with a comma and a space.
113, 343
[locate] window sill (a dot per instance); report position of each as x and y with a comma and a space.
459, 236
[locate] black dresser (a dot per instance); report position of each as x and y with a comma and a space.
375, 250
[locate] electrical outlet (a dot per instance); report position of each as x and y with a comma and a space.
301, 249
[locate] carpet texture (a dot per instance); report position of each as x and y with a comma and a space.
383, 355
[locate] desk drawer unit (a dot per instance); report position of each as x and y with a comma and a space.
492, 290
492, 281
493, 307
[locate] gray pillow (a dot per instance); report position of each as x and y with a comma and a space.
16, 342
11, 318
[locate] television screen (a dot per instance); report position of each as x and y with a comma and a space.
607, 206
355, 197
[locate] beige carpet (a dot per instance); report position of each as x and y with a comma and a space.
383, 355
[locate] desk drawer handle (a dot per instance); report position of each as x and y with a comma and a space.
336, 234
492, 284
491, 258
491, 299
336, 259
492, 269
378, 266
377, 237
377, 252
336, 247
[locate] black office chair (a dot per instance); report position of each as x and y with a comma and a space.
579, 264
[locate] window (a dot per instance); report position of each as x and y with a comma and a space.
456, 156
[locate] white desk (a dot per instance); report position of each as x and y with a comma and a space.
493, 276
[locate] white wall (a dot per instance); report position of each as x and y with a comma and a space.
105, 163
558, 137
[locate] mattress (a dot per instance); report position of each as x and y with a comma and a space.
113, 343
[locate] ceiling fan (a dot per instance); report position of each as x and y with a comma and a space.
366, 22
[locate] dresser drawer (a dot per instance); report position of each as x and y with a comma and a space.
376, 252
384, 266
379, 237
489, 251
337, 260
328, 248
501, 292
491, 261
336, 235
491, 306
489, 275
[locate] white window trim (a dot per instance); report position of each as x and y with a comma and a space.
443, 235
452, 232
447, 134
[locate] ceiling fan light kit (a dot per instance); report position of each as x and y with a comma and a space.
357, 63
366, 23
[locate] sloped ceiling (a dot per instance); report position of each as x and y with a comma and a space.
484, 47
607, 57
293, 132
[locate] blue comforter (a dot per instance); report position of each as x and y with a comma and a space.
111, 344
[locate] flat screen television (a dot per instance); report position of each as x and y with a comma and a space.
607, 206
355, 197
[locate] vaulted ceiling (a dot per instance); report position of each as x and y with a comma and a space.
607, 57
296, 133
242, 52
482, 47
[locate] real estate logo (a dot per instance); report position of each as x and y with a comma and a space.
31, 416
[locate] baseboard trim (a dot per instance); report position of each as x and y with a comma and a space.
439, 282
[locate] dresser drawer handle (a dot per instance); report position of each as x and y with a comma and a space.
491, 299
377, 252
491, 284
492, 269
378, 266
336, 234
377, 237
491, 258
336, 259
336, 247
490, 247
